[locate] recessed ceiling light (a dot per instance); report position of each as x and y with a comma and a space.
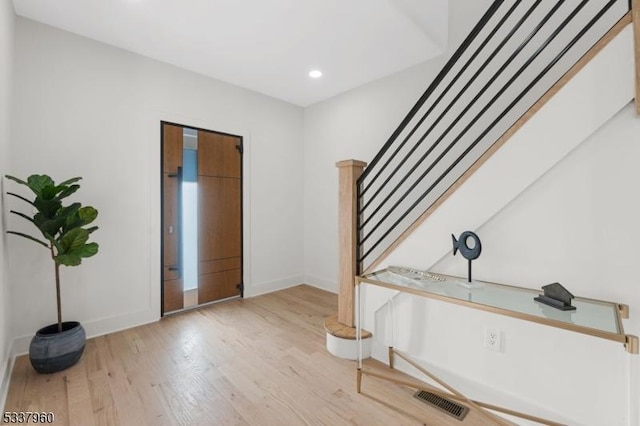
315, 74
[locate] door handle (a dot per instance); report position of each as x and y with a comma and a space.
179, 222
174, 268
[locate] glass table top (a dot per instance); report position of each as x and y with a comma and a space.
593, 314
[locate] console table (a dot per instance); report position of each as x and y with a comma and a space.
592, 317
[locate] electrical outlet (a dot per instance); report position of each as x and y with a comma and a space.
493, 339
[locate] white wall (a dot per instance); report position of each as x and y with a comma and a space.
6, 56
355, 125
88, 109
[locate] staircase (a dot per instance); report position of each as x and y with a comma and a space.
493, 121
515, 54
513, 62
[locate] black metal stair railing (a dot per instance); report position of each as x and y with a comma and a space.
516, 52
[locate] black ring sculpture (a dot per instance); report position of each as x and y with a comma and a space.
469, 253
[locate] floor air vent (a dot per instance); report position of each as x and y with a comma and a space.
453, 409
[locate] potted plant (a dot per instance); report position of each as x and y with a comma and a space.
65, 234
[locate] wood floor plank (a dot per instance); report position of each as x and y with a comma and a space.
16, 396
254, 362
78, 396
104, 409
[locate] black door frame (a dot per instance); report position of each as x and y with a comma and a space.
162, 224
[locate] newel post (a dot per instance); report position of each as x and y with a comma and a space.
349, 172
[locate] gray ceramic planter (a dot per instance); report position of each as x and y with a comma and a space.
51, 351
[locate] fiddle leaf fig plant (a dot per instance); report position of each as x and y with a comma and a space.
63, 229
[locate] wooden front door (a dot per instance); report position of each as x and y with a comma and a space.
219, 204
219, 223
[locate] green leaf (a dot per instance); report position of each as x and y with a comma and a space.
65, 191
71, 218
48, 208
45, 226
38, 183
70, 181
82, 217
48, 192
74, 256
68, 213
15, 179
73, 239
87, 215
29, 237
87, 250
39, 219
92, 229
50, 228
68, 259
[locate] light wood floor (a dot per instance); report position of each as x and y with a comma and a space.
259, 361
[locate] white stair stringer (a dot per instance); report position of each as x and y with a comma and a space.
601, 89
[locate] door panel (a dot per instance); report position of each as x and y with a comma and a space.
173, 295
211, 266
220, 238
219, 213
170, 273
170, 228
218, 286
172, 288
172, 147
218, 155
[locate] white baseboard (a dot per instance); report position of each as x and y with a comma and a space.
322, 284
97, 328
6, 367
104, 326
263, 288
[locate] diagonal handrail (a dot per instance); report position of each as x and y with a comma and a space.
474, 100
436, 82
408, 189
466, 87
506, 111
436, 103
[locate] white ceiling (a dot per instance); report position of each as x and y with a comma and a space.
265, 45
